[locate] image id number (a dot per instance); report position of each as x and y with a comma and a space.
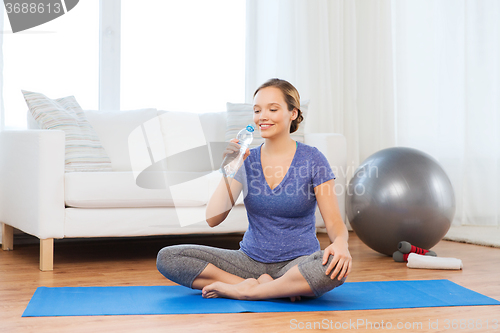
32, 8
463, 324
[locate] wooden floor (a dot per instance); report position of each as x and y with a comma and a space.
126, 262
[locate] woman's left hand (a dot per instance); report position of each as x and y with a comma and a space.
342, 260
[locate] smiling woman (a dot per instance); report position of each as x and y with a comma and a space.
279, 255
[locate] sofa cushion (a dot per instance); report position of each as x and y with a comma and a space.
114, 128
119, 189
126, 222
84, 151
239, 115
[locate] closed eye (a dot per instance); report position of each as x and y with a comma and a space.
257, 111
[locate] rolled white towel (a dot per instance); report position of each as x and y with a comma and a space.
429, 262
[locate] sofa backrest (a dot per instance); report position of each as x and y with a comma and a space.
188, 139
115, 127
214, 125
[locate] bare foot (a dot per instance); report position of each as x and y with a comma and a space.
235, 291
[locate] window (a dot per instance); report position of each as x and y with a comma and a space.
175, 55
58, 58
182, 55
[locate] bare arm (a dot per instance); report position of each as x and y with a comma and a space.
336, 229
220, 204
329, 208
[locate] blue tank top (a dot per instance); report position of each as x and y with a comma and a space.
282, 222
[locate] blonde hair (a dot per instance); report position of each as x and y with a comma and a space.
291, 96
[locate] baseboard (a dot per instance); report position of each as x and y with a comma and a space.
479, 235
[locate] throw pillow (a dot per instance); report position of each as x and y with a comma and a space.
239, 115
84, 151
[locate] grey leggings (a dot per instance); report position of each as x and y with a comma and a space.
183, 263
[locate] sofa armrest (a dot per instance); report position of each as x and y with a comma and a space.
32, 181
334, 147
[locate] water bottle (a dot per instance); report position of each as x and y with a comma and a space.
233, 162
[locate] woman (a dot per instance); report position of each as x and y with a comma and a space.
279, 255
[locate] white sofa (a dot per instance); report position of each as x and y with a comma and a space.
39, 198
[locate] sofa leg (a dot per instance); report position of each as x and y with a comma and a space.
7, 237
47, 254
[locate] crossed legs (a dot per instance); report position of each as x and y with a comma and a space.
212, 274
232, 274
292, 284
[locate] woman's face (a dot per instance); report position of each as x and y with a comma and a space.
270, 113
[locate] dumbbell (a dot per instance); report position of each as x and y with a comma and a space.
405, 248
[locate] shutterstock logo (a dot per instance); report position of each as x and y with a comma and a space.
26, 14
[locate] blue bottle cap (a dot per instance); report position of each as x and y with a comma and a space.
250, 128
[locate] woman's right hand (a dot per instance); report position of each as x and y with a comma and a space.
233, 148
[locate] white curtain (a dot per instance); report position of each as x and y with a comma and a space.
447, 65
2, 121
2, 118
416, 73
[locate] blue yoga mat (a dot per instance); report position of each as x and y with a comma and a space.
94, 301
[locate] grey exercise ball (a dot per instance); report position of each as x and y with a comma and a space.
400, 194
